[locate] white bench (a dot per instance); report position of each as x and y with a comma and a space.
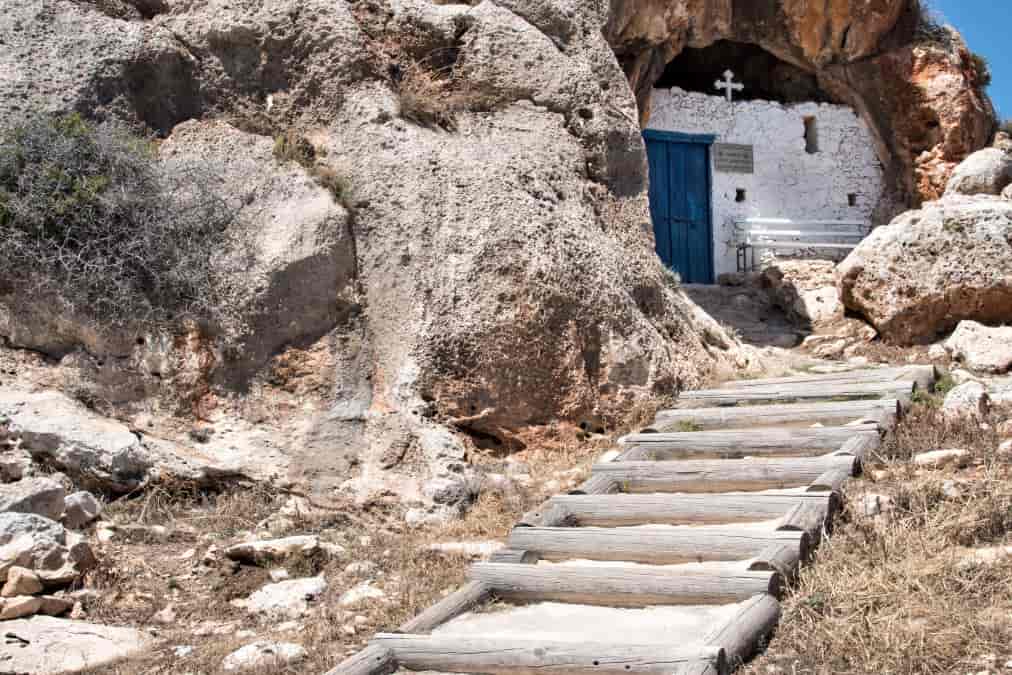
783, 233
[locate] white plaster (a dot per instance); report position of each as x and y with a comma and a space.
788, 181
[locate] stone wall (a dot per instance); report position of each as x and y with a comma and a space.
789, 181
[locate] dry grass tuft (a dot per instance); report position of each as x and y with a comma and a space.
893, 593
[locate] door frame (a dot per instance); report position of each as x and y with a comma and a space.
699, 139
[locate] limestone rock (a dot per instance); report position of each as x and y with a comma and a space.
21, 581
15, 464
44, 547
985, 172
937, 459
18, 607
273, 550
41, 496
970, 398
1007, 192
264, 655
80, 509
287, 599
54, 606
46, 645
360, 594
919, 276
982, 348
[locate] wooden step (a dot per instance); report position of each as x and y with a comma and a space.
739, 475
901, 389
620, 510
737, 444
494, 654
924, 376
618, 586
884, 412
661, 545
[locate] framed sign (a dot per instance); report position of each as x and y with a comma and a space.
731, 158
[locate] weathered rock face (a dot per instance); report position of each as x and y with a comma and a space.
481, 279
918, 277
981, 348
985, 172
920, 95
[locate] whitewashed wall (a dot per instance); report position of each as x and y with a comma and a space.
788, 181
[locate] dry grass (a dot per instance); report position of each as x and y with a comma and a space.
889, 594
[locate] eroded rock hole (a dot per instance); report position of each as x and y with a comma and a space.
766, 77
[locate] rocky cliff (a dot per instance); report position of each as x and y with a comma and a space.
469, 252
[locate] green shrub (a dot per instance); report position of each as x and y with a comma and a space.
982, 67
90, 220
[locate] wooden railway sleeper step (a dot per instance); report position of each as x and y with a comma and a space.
883, 412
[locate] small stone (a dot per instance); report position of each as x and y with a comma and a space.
970, 398
287, 599
80, 508
361, 568
259, 552
166, 615
360, 594
873, 505
937, 459
348, 629
15, 608
279, 574
264, 655
182, 651
951, 490
78, 613
286, 626
21, 581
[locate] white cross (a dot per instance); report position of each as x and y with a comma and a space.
729, 84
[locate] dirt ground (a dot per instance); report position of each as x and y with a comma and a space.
164, 570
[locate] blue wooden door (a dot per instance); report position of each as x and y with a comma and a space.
680, 203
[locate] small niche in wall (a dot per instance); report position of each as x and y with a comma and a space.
811, 135
740, 195
852, 199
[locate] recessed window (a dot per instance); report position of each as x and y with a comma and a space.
852, 199
811, 135
740, 195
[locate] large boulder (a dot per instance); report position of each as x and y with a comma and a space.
980, 347
480, 269
929, 269
985, 172
41, 496
48, 645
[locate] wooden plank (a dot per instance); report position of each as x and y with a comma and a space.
796, 392
740, 475
549, 514
832, 480
882, 411
513, 556
597, 485
373, 660
860, 446
462, 600
809, 516
683, 509
745, 632
493, 654
778, 557
661, 546
621, 586
924, 376
737, 444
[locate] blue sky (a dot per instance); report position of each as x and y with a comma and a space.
985, 25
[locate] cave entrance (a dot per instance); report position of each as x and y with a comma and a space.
782, 147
